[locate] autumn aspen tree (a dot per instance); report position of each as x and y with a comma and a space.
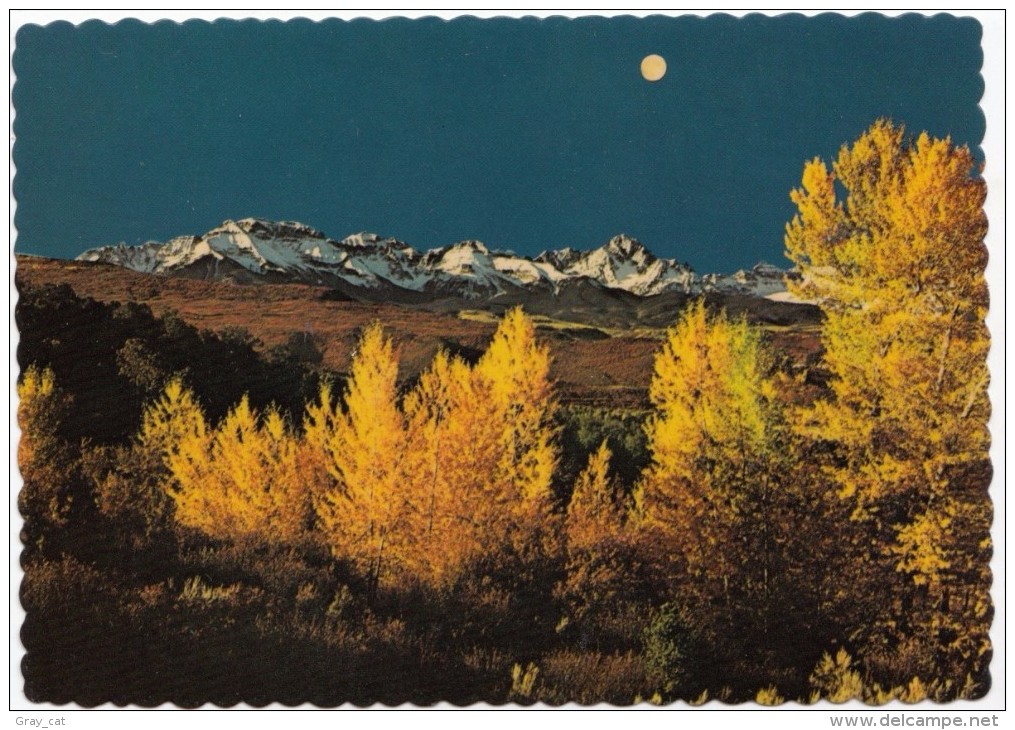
710, 440
135, 487
173, 427
481, 455
716, 506
42, 458
315, 450
514, 374
240, 481
898, 269
897, 265
363, 514
598, 552
452, 454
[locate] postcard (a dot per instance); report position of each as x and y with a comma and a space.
591, 361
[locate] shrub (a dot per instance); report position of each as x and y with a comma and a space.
669, 650
589, 678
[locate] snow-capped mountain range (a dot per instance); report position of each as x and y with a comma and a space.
252, 250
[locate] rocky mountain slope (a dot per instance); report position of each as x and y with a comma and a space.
370, 266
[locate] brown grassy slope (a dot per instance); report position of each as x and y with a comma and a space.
608, 371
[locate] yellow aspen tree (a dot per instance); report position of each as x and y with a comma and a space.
897, 265
898, 269
38, 406
362, 516
175, 417
708, 500
142, 483
598, 556
289, 506
315, 461
481, 457
134, 483
174, 427
461, 511
426, 466
214, 491
514, 374
240, 481
451, 454
428, 413
42, 458
596, 506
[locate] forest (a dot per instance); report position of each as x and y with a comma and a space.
209, 522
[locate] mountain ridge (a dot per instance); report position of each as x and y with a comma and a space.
251, 250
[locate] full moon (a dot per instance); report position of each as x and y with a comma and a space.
653, 67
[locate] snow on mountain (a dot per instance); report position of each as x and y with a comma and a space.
147, 258
624, 263
378, 260
560, 259
762, 280
258, 246
528, 272
291, 251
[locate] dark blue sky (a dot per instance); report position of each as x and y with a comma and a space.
525, 134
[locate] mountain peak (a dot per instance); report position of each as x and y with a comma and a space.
470, 245
264, 228
625, 244
362, 239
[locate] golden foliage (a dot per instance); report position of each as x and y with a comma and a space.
523, 682
459, 473
514, 372
235, 481
480, 455
599, 546
595, 504
362, 516
42, 457
453, 452
898, 267
769, 697
173, 419
714, 445
836, 679
38, 406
